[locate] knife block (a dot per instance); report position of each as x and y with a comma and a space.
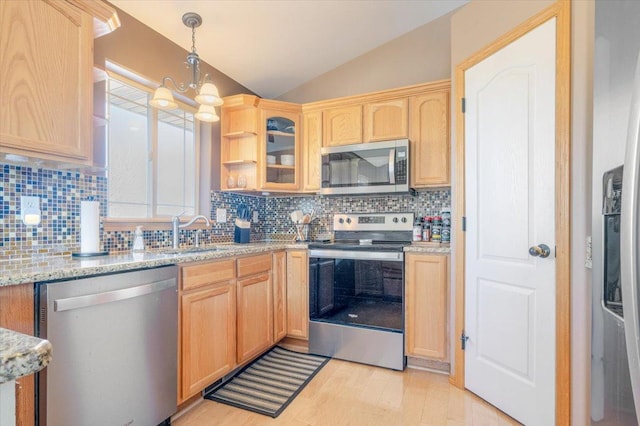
241, 235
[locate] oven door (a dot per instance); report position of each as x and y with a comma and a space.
356, 307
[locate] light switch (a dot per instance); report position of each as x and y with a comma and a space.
255, 216
221, 215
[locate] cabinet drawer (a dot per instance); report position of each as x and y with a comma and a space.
254, 264
194, 276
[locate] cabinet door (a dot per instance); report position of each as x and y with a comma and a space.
311, 144
16, 313
208, 342
281, 147
46, 87
426, 291
255, 316
279, 274
429, 135
386, 120
298, 294
342, 126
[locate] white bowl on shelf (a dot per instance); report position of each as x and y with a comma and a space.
271, 159
287, 160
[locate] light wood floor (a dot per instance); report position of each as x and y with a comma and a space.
345, 393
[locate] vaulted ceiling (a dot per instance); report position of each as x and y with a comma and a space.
273, 46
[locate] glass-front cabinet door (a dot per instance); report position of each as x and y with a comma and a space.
282, 152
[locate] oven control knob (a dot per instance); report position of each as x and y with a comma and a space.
395, 220
404, 220
341, 220
348, 220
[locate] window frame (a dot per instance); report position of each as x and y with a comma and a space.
161, 222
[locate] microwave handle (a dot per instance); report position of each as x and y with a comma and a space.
392, 166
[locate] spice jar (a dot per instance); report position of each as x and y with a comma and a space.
426, 228
417, 230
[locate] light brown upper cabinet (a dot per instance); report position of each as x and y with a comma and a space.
342, 125
260, 145
239, 151
386, 120
429, 137
311, 144
46, 89
279, 140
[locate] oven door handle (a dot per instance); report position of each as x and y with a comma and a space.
357, 255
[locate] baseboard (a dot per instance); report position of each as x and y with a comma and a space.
293, 344
442, 367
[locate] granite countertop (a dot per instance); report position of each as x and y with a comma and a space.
54, 268
428, 248
21, 355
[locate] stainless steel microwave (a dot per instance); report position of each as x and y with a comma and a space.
366, 168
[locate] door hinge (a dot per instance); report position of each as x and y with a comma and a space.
464, 105
463, 340
464, 224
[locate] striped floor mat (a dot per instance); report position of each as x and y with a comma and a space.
270, 383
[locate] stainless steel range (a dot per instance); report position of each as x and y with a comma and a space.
356, 289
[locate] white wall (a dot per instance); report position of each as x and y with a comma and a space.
419, 56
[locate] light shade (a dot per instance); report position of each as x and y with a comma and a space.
209, 95
163, 99
207, 113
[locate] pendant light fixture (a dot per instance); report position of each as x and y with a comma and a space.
207, 93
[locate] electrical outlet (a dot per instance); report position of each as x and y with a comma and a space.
30, 210
221, 215
255, 216
588, 259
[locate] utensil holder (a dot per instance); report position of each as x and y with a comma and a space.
302, 232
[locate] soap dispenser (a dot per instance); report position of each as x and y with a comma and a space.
138, 242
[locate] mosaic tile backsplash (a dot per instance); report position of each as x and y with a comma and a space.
60, 193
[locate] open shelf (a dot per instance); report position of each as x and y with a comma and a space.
238, 162
280, 166
237, 135
279, 133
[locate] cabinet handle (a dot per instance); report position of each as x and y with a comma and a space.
250, 281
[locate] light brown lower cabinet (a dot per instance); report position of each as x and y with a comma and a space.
16, 313
426, 296
279, 278
298, 294
207, 324
255, 307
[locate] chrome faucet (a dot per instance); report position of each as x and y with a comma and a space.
176, 226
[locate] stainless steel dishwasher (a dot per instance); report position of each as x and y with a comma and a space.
114, 343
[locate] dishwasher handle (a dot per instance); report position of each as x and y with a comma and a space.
67, 304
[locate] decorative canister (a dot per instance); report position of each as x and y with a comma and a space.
436, 229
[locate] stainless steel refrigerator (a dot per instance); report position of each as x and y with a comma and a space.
615, 355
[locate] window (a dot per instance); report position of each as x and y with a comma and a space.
152, 155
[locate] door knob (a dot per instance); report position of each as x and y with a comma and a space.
541, 250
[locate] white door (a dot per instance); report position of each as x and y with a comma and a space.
510, 207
